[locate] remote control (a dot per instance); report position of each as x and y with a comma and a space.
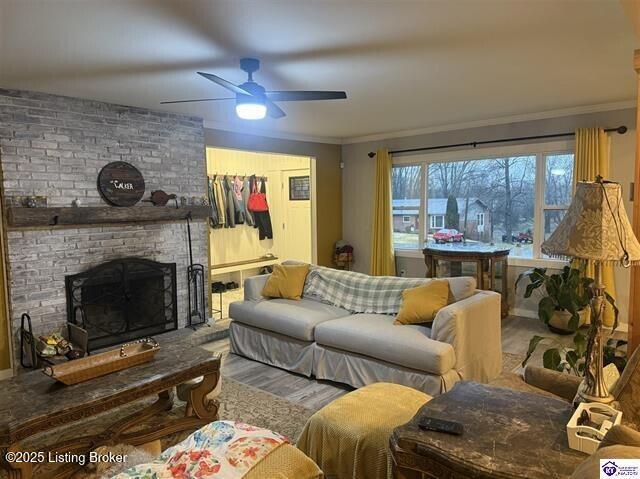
440, 425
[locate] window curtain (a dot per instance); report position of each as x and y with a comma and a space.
382, 260
592, 159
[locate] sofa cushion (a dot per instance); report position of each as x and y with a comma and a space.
420, 305
376, 336
462, 287
294, 318
286, 281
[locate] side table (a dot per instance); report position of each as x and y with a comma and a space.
488, 260
508, 434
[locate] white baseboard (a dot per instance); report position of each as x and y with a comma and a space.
6, 374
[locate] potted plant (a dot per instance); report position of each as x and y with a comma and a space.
571, 291
564, 301
571, 358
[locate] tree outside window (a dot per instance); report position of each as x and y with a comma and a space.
488, 200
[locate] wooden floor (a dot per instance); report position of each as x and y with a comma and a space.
307, 392
314, 394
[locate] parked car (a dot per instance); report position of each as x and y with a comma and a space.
522, 237
446, 235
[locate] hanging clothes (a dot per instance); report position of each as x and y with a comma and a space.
214, 220
237, 200
230, 207
217, 188
246, 190
262, 218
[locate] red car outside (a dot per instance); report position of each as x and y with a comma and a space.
447, 236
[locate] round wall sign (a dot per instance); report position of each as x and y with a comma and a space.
121, 184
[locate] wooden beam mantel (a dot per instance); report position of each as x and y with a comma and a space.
634, 296
67, 217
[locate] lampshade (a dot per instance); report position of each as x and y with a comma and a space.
595, 227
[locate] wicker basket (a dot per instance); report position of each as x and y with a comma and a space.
97, 365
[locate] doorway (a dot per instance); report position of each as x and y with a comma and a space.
243, 250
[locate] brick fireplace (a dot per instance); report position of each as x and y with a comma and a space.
54, 146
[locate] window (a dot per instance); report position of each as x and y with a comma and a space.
436, 221
558, 189
406, 186
406, 219
513, 196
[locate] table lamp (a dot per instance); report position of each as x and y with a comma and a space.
595, 228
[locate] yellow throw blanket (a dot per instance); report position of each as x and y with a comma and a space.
349, 438
285, 462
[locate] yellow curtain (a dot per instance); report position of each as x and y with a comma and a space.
382, 260
592, 159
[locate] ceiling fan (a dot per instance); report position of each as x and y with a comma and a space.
253, 102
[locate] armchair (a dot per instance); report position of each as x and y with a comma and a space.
626, 391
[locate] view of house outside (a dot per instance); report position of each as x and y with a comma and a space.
488, 201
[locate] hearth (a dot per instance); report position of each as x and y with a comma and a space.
122, 300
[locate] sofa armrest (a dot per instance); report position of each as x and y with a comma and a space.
253, 287
620, 435
555, 382
472, 327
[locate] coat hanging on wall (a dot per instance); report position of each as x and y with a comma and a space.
260, 208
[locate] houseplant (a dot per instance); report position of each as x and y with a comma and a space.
571, 358
564, 301
570, 294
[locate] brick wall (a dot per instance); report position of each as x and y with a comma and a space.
55, 146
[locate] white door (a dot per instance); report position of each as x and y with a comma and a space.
296, 215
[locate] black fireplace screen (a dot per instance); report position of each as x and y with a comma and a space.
122, 300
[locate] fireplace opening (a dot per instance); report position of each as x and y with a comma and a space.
123, 300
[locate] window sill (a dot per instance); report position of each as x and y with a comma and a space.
513, 260
537, 262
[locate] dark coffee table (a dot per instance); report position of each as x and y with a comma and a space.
32, 403
507, 435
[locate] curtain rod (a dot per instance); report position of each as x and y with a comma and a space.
621, 129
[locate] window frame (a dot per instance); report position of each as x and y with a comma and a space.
540, 150
406, 219
432, 224
478, 217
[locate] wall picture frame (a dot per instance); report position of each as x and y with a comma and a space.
299, 188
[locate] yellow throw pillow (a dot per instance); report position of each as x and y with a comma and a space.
421, 304
286, 281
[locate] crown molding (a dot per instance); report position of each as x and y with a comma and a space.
543, 115
215, 125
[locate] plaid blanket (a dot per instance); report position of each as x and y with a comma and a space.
357, 292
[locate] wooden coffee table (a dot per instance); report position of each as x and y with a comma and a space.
507, 435
32, 403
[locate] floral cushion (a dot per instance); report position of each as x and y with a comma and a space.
220, 450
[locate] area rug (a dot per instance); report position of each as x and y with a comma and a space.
511, 363
238, 402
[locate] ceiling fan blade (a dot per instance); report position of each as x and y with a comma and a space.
305, 95
189, 101
273, 110
224, 83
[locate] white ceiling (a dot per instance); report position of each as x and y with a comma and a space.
404, 65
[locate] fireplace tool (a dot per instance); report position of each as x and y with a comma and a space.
195, 281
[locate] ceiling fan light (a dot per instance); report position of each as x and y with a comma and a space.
251, 111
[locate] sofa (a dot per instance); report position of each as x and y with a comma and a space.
314, 337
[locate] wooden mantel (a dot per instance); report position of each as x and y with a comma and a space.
68, 217
634, 291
